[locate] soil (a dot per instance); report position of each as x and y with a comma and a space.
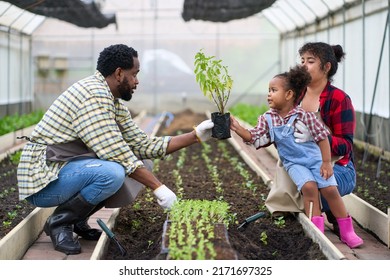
12, 210
372, 179
139, 226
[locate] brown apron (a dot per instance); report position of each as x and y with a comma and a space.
77, 149
284, 195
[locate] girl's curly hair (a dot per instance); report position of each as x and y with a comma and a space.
297, 79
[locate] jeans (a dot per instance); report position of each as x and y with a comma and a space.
346, 181
95, 179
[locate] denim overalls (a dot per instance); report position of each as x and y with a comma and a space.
302, 161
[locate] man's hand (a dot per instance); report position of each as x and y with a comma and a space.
203, 130
302, 134
165, 197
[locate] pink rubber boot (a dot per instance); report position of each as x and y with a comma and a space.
347, 233
319, 222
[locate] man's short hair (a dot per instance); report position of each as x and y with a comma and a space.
115, 56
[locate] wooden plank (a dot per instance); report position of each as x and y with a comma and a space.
368, 216
15, 244
327, 247
103, 242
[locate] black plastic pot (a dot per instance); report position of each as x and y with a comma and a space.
221, 129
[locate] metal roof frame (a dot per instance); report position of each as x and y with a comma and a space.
82, 13
14, 18
287, 15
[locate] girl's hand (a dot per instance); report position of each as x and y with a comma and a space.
234, 124
326, 170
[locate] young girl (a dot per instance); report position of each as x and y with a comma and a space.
308, 164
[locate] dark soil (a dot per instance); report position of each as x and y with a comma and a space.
373, 179
139, 226
12, 210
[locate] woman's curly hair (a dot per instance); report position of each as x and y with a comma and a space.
326, 53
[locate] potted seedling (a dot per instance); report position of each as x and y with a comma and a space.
215, 83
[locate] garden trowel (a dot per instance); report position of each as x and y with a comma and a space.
250, 220
111, 235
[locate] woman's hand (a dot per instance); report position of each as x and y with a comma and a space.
302, 133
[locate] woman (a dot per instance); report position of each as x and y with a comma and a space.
337, 112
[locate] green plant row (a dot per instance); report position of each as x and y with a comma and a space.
247, 112
191, 228
15, 122
200, 211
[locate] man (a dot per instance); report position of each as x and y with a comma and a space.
87, 144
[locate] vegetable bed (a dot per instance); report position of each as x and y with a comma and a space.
213, 171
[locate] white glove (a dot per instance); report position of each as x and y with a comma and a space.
302, 134
165, 197
203, 130
262, 141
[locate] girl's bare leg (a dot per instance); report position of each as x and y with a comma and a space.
311, 194
336, 203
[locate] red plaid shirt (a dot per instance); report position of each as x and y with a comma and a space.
338, 114
314, 125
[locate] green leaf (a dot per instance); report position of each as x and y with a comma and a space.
213, 79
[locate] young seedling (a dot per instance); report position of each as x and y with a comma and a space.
280, 222
214, 79
216, 84
264, 237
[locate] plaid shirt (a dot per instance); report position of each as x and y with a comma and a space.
338, 114
88, 111
315, 126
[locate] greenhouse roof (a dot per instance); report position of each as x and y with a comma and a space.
18, 19
83, 13
287, 15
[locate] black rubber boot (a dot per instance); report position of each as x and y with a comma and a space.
59, 226
82, 229
333, 221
